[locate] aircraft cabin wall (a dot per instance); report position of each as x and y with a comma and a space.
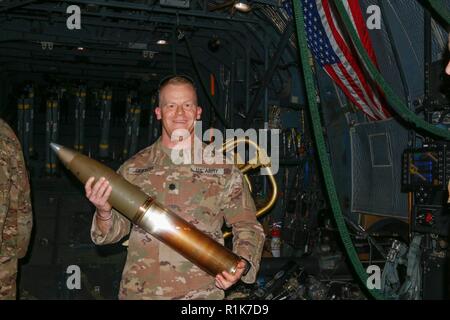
87, 75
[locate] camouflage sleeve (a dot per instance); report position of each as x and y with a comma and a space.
240, 213
16, 217
120, 227
21, 187
4, 190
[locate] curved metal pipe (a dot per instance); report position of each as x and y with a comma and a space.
230, 145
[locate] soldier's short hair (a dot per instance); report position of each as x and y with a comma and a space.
175, 79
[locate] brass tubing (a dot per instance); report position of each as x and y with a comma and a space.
231, 144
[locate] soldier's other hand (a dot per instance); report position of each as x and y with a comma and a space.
99, 194
226, 280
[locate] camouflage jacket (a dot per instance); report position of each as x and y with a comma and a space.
15, 205
204, 195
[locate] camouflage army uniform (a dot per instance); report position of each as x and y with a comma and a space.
204, 195
15, 210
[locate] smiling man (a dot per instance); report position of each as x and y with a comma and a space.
199, 195
178, 111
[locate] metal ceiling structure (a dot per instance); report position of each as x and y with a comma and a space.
118, 33
117, 43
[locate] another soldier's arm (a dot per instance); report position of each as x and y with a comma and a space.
5, 186
21, 187
118, 228
240, 213
108, 226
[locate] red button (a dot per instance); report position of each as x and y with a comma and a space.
428, 217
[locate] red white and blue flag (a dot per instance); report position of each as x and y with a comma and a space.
334, 54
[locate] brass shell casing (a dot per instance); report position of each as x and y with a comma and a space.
183, 237
151, 216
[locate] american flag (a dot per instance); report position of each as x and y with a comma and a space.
334, 54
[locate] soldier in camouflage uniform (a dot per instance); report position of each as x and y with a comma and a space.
204, 195
15, 210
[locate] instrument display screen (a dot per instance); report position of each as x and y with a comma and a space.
423, 168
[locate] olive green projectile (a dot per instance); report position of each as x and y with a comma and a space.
151, 216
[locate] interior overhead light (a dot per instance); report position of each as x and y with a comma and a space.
80, 48
161, 42
242, 6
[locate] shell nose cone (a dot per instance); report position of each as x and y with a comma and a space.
64, 154
55, 147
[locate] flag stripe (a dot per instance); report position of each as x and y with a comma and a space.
336, 48
356, 14
354, 71
360, 25
350, 76
333, 53
342, 82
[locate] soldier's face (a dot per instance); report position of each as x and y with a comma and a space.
177, 108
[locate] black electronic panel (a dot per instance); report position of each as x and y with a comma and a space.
433, 219
426, 172
426, 167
